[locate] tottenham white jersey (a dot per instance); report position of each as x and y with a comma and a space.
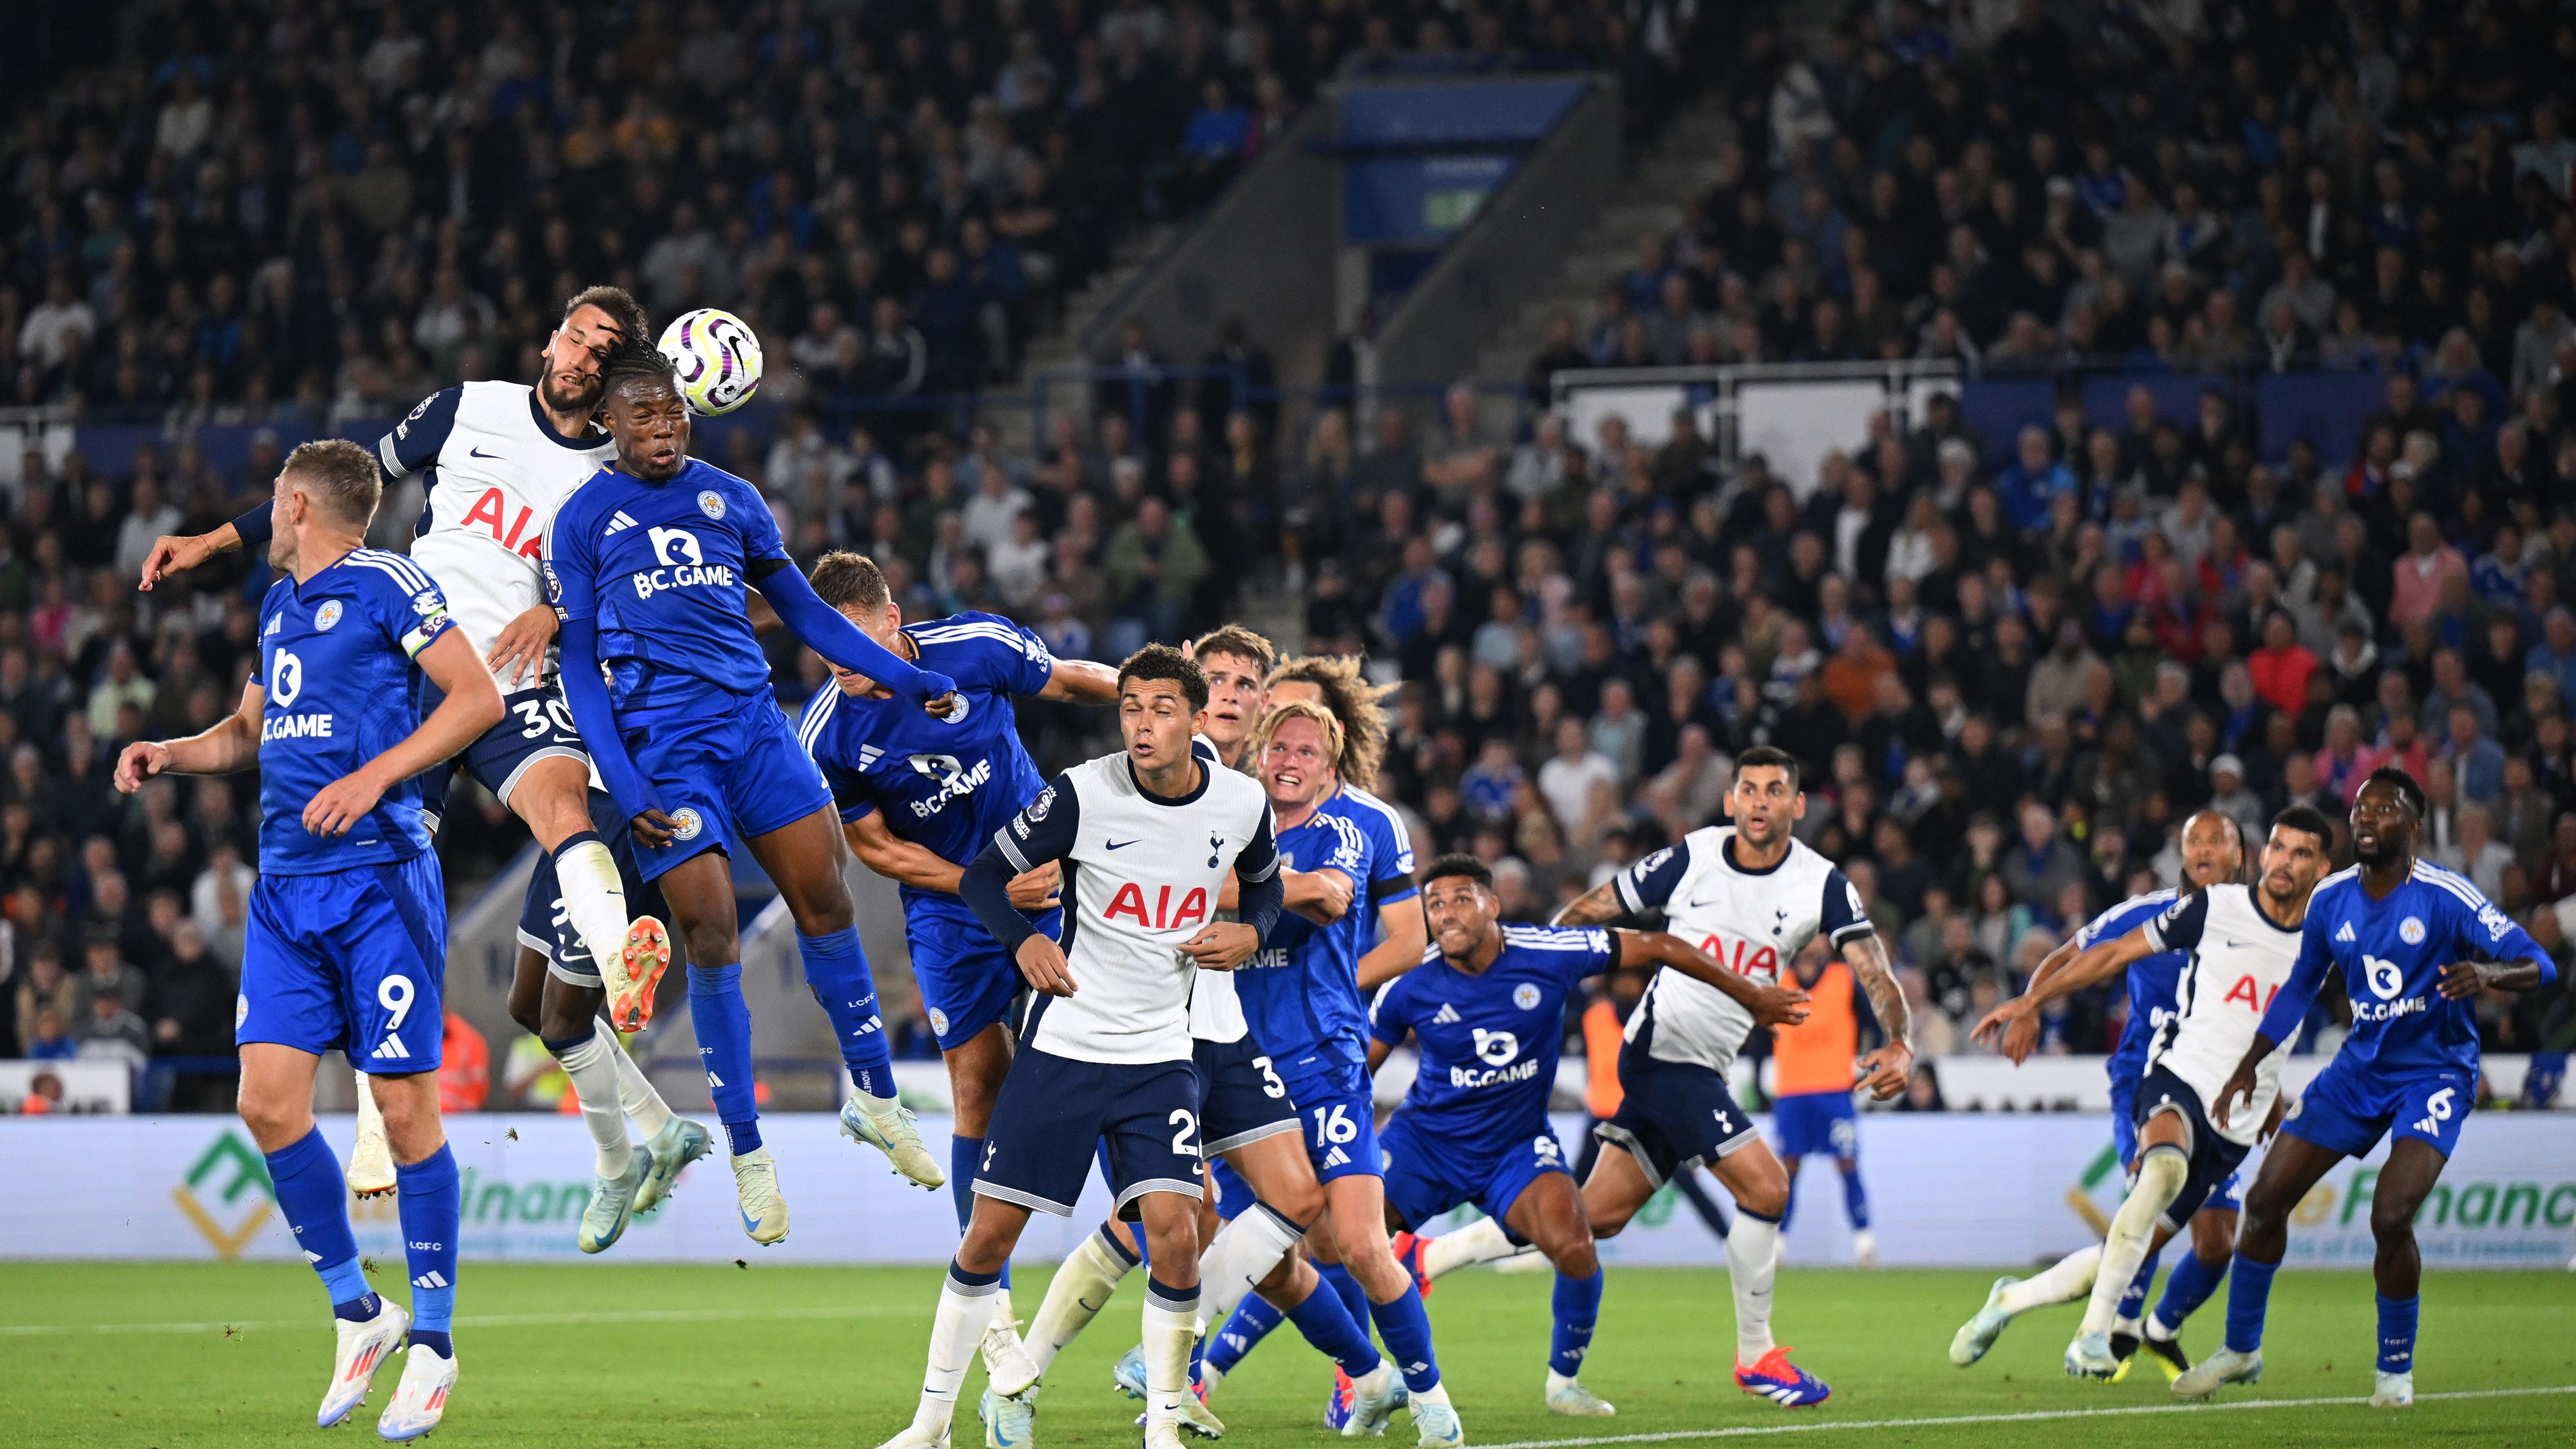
1216, 1012
1753, 922
495, 471
1141, 876
2239, 958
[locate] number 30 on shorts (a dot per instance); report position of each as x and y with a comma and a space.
1333, 1125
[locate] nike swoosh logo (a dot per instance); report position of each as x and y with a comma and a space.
1123, 844
479, 453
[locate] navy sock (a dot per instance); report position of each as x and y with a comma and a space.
1855, 1198
722, 1022
1159, 1294
1347, 1288
432, 1209
1253, 1319
2249, 1293
838, 971
1130, 1256
1407, 1331
1578, 1306
314, 1198
2133, 1299
2186, 1288
2397, 1333
964, 1279
1326, 1322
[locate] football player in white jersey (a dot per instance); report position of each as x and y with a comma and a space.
1106, 1049
1752, 896
496, 459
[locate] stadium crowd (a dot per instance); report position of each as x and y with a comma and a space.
2006, 685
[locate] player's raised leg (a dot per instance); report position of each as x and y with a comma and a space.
2163, 1173
629, 953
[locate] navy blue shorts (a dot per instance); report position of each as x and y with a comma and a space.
536, 724
1337, 1106
1426, 1176
1816, 1124
727, 771
2348, 1108
1241, 1099
968, 982
1673, 1115
1053, 1111
351, 961
2228, 1196
546, 928
2213, 1158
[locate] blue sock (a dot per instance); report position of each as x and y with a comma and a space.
1578, 1306
722, 1022
2397, 1333
838, 971
2133, 1299
1407, 1331
1789, 1206
2186, 1288
433, 1209
1347, 1288
1326, 1322
2249, 1293
1253, 1319
1855, 1198
314, 1198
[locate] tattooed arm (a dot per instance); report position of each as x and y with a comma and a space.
1888, 1068
1598, 906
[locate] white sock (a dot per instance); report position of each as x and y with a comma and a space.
593, 898
634, 1090
1079, 1290
2064, 1281
1751, 1249
1242, 1254
2161, 1173
1171, 1328
964, 1311
594, 1083
1481, 1241
1436, 1394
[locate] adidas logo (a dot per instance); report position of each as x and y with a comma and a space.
2345, 935
1446, 1016
275, 623
1337, 1158
391, 1050
714, 1081
312, 1257
869, 755
618, 523
431, 1279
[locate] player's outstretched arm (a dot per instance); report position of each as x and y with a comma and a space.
2464, 980
1598, 906
1770, 1005
472, 705
176, 553
229, 744
2013, 1028
587, 693
1081, 681
1408, 931
830, 633
1886, 1070
913, 864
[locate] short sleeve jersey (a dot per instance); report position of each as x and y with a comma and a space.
1490, 1039
664, 568
2239, 957
335, 664
1754, 922
1301, 994
1141, 876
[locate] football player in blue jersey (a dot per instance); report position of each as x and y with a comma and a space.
920, 796
2417, 946
346, 946
1487, 1010
650, 564
2213, 851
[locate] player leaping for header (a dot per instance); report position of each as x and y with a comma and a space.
650, 563
2417, 946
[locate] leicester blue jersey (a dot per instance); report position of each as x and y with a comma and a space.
1490, 1039
944, 784
1300, 992
664, 567
2152, 978
335, 661
2392, 953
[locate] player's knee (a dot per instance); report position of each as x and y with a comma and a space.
527, 990
1576, 1259
2213, 1236
274, 1118
2393, 1217
712, 943
1299, 1202
567, 1013
823, 908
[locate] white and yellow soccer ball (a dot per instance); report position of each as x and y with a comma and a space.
718, 360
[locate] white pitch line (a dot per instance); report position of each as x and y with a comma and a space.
487, 1320
1829, 1426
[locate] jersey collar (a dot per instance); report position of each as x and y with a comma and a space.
1742, 869
546, 429
1207, 773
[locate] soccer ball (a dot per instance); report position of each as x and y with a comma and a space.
718, 360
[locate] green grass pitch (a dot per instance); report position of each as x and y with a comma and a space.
643, 1356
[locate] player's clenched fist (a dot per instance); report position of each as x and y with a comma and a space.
140, 761
1222, 946
1042, 962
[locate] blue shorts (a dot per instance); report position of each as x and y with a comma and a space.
1241, 1100
1233, 1194
1053, 1111
1817, 1124
2213, 1159
727, 771
351, 961
2349, 1107
1338, 1108
1673, 1116
546, 928
1426, 1177
968, 982
2227, 1196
